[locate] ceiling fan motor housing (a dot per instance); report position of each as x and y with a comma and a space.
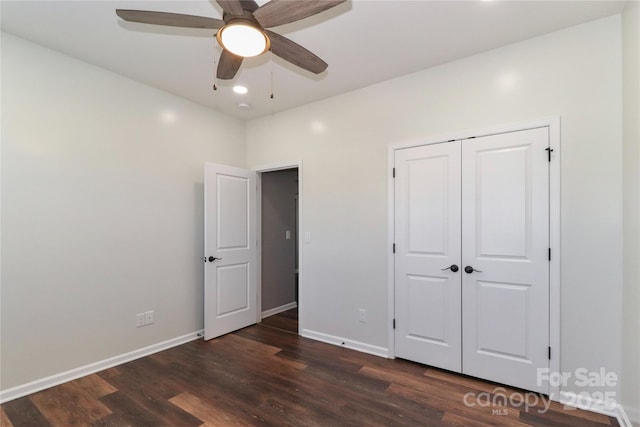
246, 31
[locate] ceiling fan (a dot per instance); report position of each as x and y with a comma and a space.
242, 30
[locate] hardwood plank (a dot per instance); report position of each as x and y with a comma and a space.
288, 393
444, 392
455, 405
466, 381
557, 418
285, 321
22, 412
113, 420
461, 420
110, 372
226, 401
298, 392
152, 395
70, 404
94, 386
4, 419
586, 415
215, 415
392, 365
141, 375
266, 376
262, 355
239, 389
130, 412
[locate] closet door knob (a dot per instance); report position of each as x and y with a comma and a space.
452, 267
212, 258
468, 269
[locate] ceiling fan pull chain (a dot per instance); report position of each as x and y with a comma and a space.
215, 55
271, 96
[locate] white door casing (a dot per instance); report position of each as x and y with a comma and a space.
505, 235
427, 228
230, 299
503, 227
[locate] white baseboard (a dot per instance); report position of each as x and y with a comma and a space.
344, 342
280, 309
609, 408
63, 377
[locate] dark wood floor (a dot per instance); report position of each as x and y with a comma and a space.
269, 376
286, 321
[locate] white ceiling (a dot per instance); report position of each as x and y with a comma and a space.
363, 41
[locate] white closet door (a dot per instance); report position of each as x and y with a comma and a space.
505, 235
427, 230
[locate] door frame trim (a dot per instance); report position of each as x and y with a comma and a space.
553, 125
259, 170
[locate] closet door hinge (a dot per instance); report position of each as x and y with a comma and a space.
549, 254
549, 150
549, 353
393, 248
393, 172
394, 323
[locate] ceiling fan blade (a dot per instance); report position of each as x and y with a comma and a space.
228, 65
280, 12
296, 54
232, 7
249, 5
170, 19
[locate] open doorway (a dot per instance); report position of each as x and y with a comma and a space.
279, 248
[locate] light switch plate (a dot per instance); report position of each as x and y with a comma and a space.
139, 320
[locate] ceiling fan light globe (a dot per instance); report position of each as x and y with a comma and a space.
243, 40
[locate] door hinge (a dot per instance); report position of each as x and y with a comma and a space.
549, 353
549, 150
549, 254
393, 172
394, 323
394, 248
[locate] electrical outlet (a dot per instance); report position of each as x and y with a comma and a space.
362, 315
148, 317
139, 320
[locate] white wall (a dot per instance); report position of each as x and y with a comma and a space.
343, 140
102, 211
631, 103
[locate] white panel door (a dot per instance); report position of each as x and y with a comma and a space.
505, 244
230, 250
427, 230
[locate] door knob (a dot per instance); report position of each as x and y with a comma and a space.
452, 267
212, 258
468, 269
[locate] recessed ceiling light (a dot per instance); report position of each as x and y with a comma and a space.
244, 106
240, 89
